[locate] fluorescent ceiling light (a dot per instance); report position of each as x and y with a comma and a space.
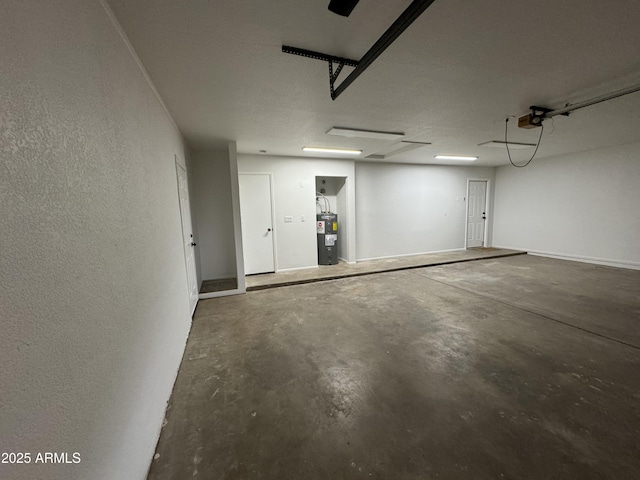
345, 151
456, 157
512, 145
356, 133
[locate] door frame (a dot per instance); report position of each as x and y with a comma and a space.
486, 209
274, 230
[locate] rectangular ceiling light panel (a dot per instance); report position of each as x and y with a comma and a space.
356, 133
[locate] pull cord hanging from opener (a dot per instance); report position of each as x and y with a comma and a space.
506, 142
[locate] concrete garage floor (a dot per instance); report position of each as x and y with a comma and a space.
512, 368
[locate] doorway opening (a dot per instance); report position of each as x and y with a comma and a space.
331, 195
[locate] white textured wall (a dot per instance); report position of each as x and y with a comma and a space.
213, 210
93, 298
294, 190
582, 206
411, 209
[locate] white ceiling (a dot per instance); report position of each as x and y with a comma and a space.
450, 79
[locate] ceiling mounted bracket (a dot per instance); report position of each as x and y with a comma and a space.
330, 59
406, 18
333, 76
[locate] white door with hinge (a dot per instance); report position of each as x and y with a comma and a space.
187, 236
476, 213
257, 222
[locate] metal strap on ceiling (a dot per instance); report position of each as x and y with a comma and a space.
319, 56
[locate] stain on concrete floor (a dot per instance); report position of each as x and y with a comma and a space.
402, 376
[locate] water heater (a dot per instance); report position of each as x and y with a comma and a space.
327, 230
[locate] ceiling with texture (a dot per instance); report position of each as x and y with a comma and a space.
450, 79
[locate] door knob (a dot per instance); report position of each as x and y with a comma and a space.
268, 229
193, 244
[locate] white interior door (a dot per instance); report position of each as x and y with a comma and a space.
187, 236
257, 222
476, 213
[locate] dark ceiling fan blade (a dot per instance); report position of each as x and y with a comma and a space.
343, 7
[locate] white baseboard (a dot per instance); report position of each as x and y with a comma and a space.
344, 260
609, 262
411, 254
296, 268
